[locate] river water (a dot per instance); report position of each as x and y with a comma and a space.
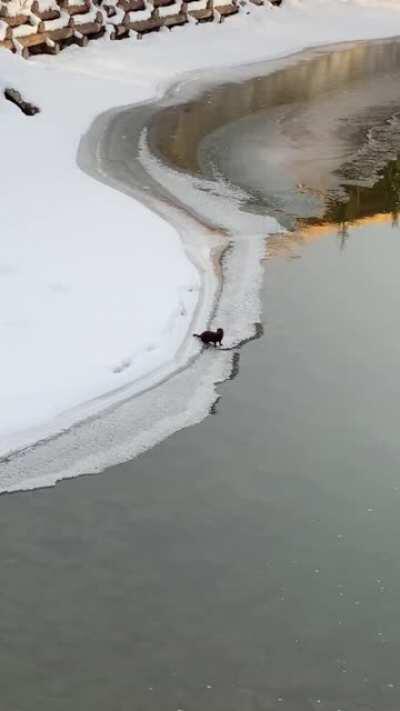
249, 563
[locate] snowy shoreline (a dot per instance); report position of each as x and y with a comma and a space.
28, 469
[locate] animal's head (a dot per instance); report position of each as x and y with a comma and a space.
220, 332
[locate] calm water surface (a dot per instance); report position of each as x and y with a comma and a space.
250, 563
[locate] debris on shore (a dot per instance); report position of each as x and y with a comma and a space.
15, 97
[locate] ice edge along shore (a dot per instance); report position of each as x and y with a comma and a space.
92, 63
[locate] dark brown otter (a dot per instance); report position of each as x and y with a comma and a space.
208, 337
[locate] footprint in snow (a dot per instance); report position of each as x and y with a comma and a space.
123, 365
7, 270
59, 288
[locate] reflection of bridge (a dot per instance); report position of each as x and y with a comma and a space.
46, 26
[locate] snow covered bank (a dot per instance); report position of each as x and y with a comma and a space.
97, 292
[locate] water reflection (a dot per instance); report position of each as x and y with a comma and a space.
362, 205
235, 364
362, 201
250, 563
308, 140
177, 131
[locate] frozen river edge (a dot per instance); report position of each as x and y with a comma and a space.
121, 424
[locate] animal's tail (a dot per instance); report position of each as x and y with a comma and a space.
196, 335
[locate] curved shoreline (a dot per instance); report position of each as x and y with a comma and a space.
52, 450
104, 414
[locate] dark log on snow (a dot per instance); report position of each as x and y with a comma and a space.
15, 97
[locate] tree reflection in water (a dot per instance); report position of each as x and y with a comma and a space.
362, 202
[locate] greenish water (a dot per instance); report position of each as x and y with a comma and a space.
256, 553
252, 558
249, 563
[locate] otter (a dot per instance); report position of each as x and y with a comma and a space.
208, 337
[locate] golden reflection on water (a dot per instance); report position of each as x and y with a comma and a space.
288, 244
177, 131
